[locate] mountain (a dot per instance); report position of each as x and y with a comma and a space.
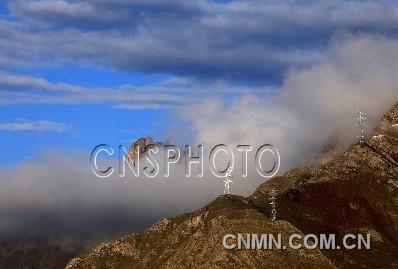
27, 252
139, 147
356, 192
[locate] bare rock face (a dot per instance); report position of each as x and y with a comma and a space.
356, 192
139, 147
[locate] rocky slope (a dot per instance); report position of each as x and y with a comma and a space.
194, 241
357, 192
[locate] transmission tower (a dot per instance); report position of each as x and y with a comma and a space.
273, 194
227, 181
361, 117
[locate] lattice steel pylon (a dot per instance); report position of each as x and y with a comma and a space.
361, 117
273, 194
228, 181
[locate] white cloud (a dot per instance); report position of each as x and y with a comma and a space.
314, 105
164, 94
40, 126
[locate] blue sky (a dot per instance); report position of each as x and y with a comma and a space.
74, 74
86, 125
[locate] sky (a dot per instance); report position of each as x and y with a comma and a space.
76, 74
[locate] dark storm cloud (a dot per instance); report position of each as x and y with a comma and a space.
238, 40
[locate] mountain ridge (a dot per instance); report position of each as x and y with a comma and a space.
356, 192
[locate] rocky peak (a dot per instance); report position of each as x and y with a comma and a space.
139, 147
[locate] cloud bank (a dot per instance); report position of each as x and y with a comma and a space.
59, 195
314, 106
249, 40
